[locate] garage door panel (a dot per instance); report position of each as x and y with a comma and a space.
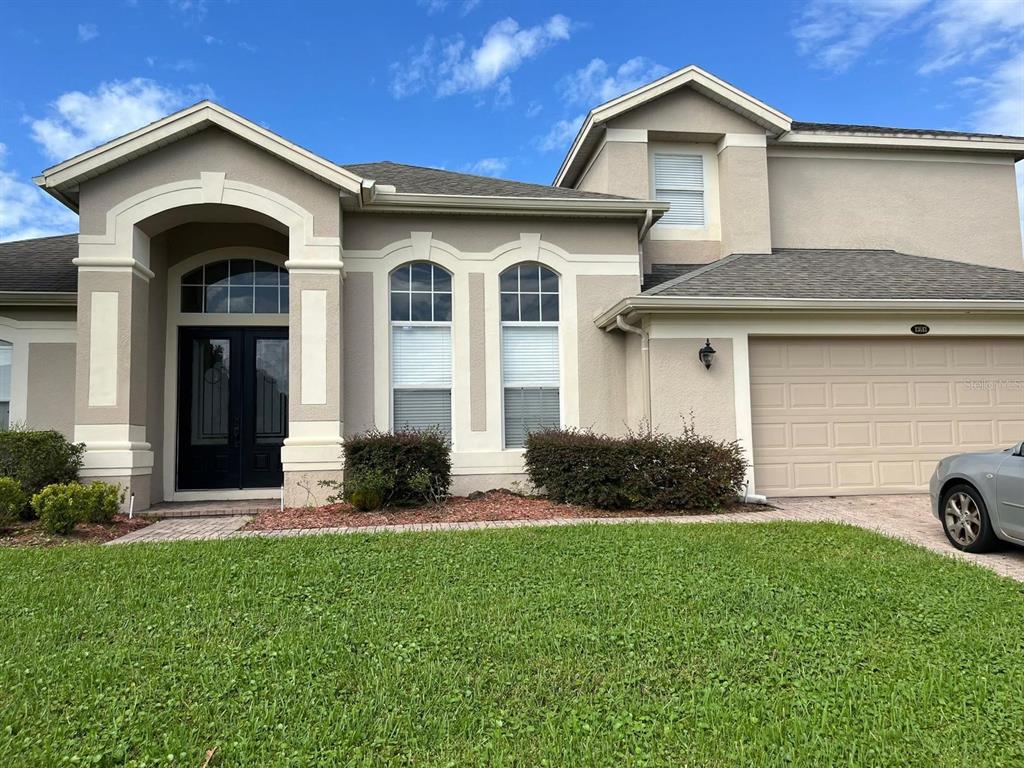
863, 415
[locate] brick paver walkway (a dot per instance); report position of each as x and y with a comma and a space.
903, 517
187, 529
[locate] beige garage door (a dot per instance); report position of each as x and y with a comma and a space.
847, 416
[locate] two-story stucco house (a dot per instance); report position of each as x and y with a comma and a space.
235, 305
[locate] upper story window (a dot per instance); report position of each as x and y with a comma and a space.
236, 286
421, 347
530, 369
6, 356
679, 181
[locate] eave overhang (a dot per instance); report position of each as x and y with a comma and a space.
399, 202
665, 305
38, 298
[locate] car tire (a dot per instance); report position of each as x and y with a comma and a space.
965, 519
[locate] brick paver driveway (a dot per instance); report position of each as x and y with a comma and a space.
904, 517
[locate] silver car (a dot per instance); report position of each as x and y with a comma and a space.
979, 497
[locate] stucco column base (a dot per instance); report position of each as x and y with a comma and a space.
303, 489
311, 453
116, 453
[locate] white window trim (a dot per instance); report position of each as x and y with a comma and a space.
712, 229
392, 324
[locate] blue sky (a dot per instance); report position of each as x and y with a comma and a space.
476, 85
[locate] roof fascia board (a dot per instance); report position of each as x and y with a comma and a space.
901, 141
727, 304
188, 120
703, 81
399, 201
39, 298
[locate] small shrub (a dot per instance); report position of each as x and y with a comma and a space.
405, 468
638, 471
101, 502
13, 501
60, 506
367, 490
37, 459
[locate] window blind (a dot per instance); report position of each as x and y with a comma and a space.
679, 181
421, 371
529, 356
528, 409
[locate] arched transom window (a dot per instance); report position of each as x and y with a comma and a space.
421, 347
530, 369
236, 286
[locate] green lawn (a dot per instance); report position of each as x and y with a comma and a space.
696, 645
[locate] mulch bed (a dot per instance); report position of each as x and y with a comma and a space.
493, 505
30, 534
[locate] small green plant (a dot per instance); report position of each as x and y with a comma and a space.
37, 459
59, 507
101, 502
405, 468
13, 501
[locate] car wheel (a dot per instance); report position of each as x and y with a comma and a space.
965, 520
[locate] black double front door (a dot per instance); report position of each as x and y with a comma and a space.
232, 407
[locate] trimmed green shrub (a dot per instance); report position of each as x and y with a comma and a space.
60, 506
37, 459
405, 467
638, 471
13, 501
101, 502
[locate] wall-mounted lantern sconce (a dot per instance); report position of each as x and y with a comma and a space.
707, 354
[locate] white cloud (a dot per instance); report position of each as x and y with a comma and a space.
26, 211
838, 32
534, 109
80, 121
193, 10
450, 66
488, 166
561, 134
594, 84
211, 40
87, 32
966, 30
438, 6
1001, 102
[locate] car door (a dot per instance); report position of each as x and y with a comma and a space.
1010, 493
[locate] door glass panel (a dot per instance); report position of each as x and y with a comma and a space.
211, 391
271, 391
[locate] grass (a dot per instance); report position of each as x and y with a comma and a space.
697, 645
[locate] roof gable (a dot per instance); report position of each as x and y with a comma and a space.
772, 120
62, 180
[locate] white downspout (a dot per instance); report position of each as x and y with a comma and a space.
645, 365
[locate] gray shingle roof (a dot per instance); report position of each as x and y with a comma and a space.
844, 274
848, 128
662, 273
40, 265
417, 179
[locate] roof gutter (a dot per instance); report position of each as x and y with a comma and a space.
726, 304
538, 206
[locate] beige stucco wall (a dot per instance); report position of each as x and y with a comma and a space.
743, 200
602, 355
156, 363
686, 111
619, 168
210, 150
964, 211
357, 325
477, 352
680, 385
51, 388
482, 233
